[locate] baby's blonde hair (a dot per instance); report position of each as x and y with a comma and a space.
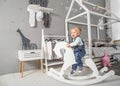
77, 28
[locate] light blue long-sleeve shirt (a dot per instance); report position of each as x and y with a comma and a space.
76, 41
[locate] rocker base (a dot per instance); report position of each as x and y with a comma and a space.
92, 80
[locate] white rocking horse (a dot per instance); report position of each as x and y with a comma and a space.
69, 59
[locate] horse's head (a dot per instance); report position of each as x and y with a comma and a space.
59, 48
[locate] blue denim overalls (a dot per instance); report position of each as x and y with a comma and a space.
79, 52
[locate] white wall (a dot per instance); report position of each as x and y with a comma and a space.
14, 15
115, 8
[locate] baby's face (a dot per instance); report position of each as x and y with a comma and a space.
74, 33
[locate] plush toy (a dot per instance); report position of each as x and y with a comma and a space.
25, 41
106, 60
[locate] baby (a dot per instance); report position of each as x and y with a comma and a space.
79, 48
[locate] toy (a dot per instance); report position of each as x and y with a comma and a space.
106, 60
95, 77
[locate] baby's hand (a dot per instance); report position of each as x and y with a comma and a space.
68, 45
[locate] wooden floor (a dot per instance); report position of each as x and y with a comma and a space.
36, 78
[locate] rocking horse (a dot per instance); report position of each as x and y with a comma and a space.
95, 77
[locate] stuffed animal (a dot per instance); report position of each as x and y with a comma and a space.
106, 60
